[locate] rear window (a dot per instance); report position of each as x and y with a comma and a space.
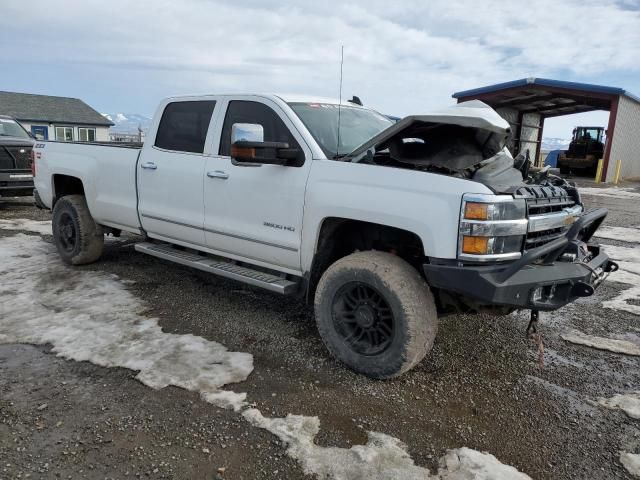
183, 126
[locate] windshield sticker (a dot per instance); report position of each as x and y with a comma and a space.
325, 105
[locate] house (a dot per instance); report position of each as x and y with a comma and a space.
55, 118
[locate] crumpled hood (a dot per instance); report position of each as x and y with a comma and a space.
472, 114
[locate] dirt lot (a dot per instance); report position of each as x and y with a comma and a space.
482, 386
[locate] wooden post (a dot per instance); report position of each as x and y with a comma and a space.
617, 175
598, 178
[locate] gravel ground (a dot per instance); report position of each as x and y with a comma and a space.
481, 387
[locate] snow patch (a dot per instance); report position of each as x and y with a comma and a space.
42, 227
90, 316
601, 343
631, 461
623, 234
628, 402
383, 457
629, 273
467, 464
614, 192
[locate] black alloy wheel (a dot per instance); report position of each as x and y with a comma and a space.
363, 318
68, 232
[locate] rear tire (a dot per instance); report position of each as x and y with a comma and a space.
375, 313
78, 238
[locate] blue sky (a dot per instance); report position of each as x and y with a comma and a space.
401, 57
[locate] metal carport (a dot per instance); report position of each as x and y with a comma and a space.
527, 102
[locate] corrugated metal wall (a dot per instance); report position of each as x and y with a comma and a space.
511, 116
626, 140
528, 136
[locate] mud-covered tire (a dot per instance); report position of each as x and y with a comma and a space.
78, 238
388, 280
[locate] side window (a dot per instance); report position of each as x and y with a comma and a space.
254, 112
183, 126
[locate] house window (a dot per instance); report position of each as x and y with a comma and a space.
86, 134
64, 134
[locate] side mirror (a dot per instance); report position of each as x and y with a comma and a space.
268, 153
247, 132
248, 146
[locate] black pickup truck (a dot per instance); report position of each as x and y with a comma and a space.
16, 145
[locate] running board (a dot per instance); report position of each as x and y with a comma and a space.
219, 267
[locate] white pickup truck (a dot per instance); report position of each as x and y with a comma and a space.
382, 225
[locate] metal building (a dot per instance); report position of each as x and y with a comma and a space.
526, 103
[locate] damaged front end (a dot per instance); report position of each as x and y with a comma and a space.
546, 277
528, 245
464, 141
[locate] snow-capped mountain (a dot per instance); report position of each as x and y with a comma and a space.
128, 122
553, 143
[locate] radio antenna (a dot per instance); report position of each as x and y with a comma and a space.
340, 99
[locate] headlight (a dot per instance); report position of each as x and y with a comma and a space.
492, 227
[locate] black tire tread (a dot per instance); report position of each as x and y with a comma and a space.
415, 297
90, 233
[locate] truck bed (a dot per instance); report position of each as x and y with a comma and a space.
107, 172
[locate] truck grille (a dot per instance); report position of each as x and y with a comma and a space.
15, 157
543, 203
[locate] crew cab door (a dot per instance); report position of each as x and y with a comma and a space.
171, 172
255, 211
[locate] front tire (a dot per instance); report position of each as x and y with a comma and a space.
78, 238
375, 313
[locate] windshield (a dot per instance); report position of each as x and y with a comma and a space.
357, 125
11, 128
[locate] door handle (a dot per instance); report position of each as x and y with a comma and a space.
218, 174
149, 165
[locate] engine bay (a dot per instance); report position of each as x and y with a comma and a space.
465, 152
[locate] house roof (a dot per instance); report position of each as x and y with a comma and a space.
545, 96
49, 109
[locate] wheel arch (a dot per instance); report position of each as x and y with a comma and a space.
338, 237
63, 184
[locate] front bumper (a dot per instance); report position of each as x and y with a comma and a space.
16, 183
539, 280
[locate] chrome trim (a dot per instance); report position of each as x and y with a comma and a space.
493, 228
217, 232
501, 227
248, 239
485, 198
152, 217
549, 221
218, 174
495, 257
221, 253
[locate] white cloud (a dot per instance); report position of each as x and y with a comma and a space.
401, 57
